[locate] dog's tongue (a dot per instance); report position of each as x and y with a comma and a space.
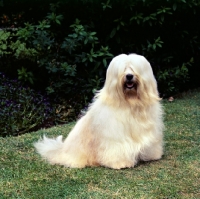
129, 85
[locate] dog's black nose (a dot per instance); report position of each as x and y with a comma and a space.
129, 77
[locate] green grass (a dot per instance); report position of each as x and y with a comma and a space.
23, 174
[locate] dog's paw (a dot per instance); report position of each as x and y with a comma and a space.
151, 155
120, 165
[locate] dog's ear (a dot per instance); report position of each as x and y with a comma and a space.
114, 71
152, 83
112, 91
152, 90
147, 83
116, 66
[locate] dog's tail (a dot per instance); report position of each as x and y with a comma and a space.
51, 149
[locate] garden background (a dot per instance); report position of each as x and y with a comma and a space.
53, 58
54, 54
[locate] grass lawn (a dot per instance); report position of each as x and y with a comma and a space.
23, 174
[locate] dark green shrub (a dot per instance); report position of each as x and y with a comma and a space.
173, 78
77, 60
65, 50
166, 32
66, 57
22, 109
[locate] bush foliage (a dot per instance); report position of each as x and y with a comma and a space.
64, 47
22, 109
68, 45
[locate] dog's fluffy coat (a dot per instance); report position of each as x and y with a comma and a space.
123, 124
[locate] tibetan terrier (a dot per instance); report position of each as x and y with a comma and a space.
122, 126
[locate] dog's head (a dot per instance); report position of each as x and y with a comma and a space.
130, 77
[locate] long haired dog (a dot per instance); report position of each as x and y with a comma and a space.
122, 126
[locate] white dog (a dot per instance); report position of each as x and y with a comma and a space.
122, 126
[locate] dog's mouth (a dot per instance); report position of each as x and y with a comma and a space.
130, 85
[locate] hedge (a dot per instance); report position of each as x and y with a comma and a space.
66, 46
